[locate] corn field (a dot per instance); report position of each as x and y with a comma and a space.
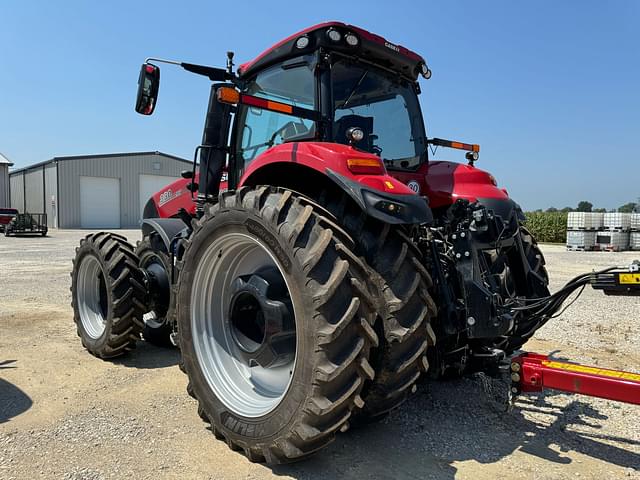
547, 226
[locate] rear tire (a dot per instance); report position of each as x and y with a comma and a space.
107, 295
401, 284
332, 315
526, 325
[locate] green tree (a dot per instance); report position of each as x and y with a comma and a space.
552, 209
627, 207
584, 206
600, 210
567, 210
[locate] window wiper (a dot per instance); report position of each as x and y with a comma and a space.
355, 88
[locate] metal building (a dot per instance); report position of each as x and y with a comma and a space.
93, 191
5, 198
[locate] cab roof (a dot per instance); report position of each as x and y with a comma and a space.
370, 46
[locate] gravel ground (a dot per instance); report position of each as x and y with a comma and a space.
65, 414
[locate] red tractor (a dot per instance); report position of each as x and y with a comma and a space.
310, 289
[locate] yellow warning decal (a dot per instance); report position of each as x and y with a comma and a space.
603, 372
628, 278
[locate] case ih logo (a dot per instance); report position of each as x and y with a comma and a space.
393, 47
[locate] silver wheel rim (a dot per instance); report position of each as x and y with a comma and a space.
250, 391
91, 290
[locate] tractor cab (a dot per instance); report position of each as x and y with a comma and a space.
367, 107
363, 87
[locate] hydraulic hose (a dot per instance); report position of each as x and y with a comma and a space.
548, 306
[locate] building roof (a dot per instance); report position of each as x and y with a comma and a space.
4, 160
99, 155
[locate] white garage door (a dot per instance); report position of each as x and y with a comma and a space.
99, 202
150, 184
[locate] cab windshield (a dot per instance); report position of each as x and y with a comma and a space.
385, 107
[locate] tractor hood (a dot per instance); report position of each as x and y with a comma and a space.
445, 182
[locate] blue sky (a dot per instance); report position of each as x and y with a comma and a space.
550, 89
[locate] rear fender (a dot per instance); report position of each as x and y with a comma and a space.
505, 208
310, 167
444, 183
447, 182
166, 228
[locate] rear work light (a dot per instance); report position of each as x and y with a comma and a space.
370, 166
351, 39
302, 42
334, 35
425, 71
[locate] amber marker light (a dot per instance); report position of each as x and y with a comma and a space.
465, 146
228, 95
470, 147
279, 107
365, 166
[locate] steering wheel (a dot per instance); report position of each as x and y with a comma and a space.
283, 128
272, 140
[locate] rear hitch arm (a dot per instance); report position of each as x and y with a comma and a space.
532, 372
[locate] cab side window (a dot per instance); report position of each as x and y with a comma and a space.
292, 83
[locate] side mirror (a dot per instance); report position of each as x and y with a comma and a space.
148, 84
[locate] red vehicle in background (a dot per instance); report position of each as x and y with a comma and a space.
6, 215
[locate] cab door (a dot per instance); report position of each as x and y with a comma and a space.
256, 130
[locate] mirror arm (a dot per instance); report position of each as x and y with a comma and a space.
162, 60
214, 74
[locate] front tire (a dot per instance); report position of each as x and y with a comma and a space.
273, 238
159, 320
107, 295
